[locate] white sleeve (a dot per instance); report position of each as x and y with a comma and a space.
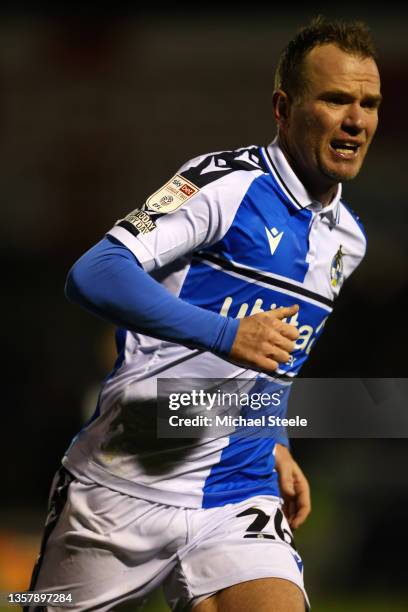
193, 210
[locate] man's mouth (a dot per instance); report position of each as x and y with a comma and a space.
345, 149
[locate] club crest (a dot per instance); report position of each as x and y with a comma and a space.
336, 268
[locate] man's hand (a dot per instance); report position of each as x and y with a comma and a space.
263, 340
294, 487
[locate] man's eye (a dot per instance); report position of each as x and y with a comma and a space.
337, 101
371, 104
334, 100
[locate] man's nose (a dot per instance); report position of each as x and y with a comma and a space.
354, 119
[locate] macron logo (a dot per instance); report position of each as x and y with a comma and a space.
274, 238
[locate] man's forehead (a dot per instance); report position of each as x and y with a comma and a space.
328, 65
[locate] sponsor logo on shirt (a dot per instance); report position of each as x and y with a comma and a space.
171, 196
307, 333
189, 191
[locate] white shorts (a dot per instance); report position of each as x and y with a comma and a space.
106, 548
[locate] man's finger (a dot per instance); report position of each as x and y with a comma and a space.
292, 512
284, 343
264, 364
284, 311
278, 354
301, 516
289, 331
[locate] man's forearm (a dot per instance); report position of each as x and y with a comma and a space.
109, 282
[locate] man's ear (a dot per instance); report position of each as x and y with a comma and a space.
281, 105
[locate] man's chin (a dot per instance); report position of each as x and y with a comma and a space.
343, 174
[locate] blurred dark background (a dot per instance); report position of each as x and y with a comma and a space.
99, 109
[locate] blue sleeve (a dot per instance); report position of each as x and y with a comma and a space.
109, 282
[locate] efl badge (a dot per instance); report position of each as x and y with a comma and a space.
171, 196
336, 268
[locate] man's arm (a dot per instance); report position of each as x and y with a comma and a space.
108, 281
294, 488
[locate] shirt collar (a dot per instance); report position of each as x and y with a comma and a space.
293, 187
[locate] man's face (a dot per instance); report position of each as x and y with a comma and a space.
327, 131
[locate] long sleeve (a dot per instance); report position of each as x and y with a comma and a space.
109, 282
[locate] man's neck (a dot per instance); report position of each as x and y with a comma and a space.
323, 194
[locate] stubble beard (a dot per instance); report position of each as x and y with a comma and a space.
339, 177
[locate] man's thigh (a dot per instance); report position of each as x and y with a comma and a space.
103, 548
262, 595
243, 547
